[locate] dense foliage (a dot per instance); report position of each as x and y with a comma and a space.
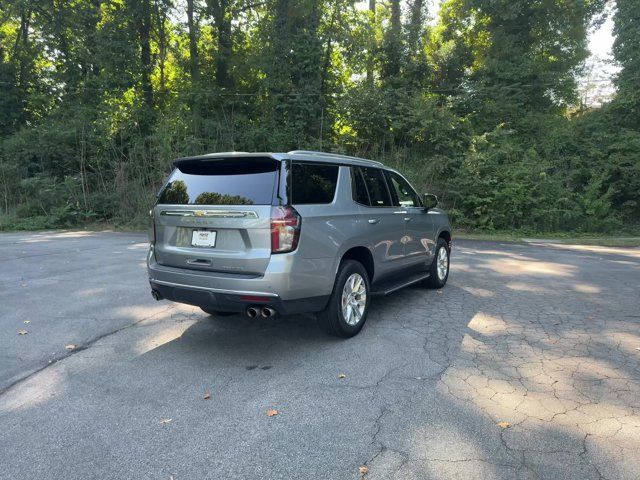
98, 96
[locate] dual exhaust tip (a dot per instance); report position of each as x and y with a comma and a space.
265, 312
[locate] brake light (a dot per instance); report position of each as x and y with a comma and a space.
285, 229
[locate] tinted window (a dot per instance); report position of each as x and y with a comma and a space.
402, 192
358, 187
376, 186
222, 182
313, 183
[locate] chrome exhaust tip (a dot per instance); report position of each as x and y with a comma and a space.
252, 312
267, 312
156, 295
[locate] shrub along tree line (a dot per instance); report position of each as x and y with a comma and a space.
479, 106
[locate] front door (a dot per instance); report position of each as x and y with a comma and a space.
418, 237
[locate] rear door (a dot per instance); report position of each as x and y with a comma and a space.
215, 215
418, 241
385, 225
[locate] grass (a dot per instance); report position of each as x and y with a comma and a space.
561, 238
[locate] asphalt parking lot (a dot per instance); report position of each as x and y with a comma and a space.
527, 365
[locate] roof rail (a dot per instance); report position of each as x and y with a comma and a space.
331, 155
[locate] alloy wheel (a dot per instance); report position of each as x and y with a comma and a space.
354, 299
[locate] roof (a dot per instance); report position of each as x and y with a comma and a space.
300, 155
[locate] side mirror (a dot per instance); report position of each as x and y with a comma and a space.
429, 201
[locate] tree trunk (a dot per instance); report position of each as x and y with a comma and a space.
415, 25
222, 23
326, 64
161, 20
393, 43
194, 60
372, 41
21, 46
144, 32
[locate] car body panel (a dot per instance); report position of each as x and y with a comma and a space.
243, 243
242, 264
420, 233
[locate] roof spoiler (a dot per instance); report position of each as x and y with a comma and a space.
216, 157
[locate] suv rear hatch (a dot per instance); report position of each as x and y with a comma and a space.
214, 214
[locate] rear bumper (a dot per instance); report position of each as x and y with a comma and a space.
283, 287
227, 302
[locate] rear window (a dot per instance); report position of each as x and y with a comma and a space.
221, 182
313, 183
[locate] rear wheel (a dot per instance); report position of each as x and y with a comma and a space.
216, 313
439, 270
348, 305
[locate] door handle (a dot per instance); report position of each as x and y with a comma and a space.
373, 221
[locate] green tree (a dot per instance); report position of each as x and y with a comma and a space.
625, 50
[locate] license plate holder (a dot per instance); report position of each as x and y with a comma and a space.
204, 238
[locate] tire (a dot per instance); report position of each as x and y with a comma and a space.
217, 313
436, 278
332, 319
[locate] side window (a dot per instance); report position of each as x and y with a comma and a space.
358, 187
402, 192
376, 185
313, 183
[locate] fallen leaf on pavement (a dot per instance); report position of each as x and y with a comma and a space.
590, 317
71, 346
164, 421
22, 332
207, 396
504, 424
27, 322
342, 375
272, 413
363, 470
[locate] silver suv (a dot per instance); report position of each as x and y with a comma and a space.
267, 233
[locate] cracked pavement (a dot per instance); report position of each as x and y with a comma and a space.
542, 336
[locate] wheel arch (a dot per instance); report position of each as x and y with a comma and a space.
446, 235
360, 254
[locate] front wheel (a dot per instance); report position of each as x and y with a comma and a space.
348, 305
439, 270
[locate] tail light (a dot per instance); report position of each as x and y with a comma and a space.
285, 229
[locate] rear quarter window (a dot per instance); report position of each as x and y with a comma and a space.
376, 187
313, 183
359, 188
226, 182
